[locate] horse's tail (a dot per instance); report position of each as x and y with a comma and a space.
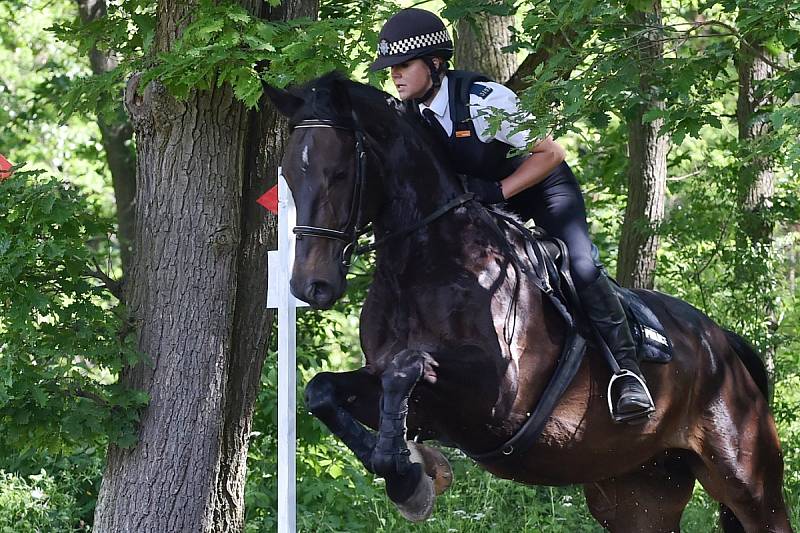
751, 359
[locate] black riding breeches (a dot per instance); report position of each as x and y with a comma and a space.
556, 205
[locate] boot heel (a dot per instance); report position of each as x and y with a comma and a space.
637, 417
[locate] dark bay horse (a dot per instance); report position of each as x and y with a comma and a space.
459, 344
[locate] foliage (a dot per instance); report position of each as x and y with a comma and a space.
223, 44
37, 72
36, 503
63, 339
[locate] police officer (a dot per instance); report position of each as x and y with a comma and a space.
415, 44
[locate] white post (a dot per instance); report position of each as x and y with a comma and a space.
278, 296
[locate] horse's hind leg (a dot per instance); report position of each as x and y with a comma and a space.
407, 485
344, 401
741, 467
649, 499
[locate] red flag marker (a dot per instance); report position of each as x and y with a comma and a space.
269, 199
5, 168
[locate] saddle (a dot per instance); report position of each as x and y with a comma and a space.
652, 343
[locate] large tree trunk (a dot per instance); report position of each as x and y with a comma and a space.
197, 299
116, 133
479, 43
756, 183
647, 170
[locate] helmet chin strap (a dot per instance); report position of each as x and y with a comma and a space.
435, 79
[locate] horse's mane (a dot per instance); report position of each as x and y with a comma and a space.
335, 97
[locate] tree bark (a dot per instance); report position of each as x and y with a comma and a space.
757, 183
647, 169
479, 43
197, 298
116, 134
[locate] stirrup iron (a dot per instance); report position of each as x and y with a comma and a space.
634, 418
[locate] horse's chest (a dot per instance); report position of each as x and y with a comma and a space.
423, 316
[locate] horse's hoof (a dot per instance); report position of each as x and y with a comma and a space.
436, 466
419, 506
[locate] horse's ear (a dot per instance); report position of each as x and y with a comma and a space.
285, 102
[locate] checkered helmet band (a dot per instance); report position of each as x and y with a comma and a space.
404, 46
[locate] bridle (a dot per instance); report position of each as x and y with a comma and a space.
353, 228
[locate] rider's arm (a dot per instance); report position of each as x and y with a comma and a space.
546, 154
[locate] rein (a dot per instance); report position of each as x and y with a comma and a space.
353, 229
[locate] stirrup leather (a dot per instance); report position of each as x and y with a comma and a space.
620, 418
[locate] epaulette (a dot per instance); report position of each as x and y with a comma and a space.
480, 90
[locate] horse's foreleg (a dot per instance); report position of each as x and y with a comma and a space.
406, 482
343, 401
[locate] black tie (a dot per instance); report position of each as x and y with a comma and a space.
436, 126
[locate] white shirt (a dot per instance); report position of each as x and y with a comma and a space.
500, 97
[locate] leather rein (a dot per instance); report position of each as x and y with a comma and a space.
353, 228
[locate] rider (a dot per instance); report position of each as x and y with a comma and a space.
539, 185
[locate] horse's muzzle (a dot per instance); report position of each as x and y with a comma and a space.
318, 294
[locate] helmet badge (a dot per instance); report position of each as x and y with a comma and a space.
383, 47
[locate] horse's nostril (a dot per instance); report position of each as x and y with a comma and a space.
319, 292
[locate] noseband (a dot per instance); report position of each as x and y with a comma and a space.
353, 229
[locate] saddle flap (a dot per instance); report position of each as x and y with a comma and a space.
649, 334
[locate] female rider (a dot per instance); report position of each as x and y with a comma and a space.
415, 44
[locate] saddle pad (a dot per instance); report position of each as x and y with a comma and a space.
651, 339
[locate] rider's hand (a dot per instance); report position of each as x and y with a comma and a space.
486, 192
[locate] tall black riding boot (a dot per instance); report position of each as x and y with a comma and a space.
605, 311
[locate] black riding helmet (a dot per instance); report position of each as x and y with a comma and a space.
412, 33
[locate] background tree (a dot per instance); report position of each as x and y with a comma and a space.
647, 150
756, 185
116, 134
480, 45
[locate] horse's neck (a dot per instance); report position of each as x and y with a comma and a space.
414, 182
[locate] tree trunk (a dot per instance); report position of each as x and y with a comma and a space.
116, 134
479, 43
197, 298
757, 184
647, 170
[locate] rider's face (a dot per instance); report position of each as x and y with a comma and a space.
412, 78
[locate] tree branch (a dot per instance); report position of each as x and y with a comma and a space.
113, 286
549, 43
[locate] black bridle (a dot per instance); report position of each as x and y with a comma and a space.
353, 229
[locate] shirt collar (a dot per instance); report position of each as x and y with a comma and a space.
440, 101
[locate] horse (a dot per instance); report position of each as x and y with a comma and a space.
459, 343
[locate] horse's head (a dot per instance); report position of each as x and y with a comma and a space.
323, 166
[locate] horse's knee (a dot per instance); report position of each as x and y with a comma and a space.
405, 369
320, 394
